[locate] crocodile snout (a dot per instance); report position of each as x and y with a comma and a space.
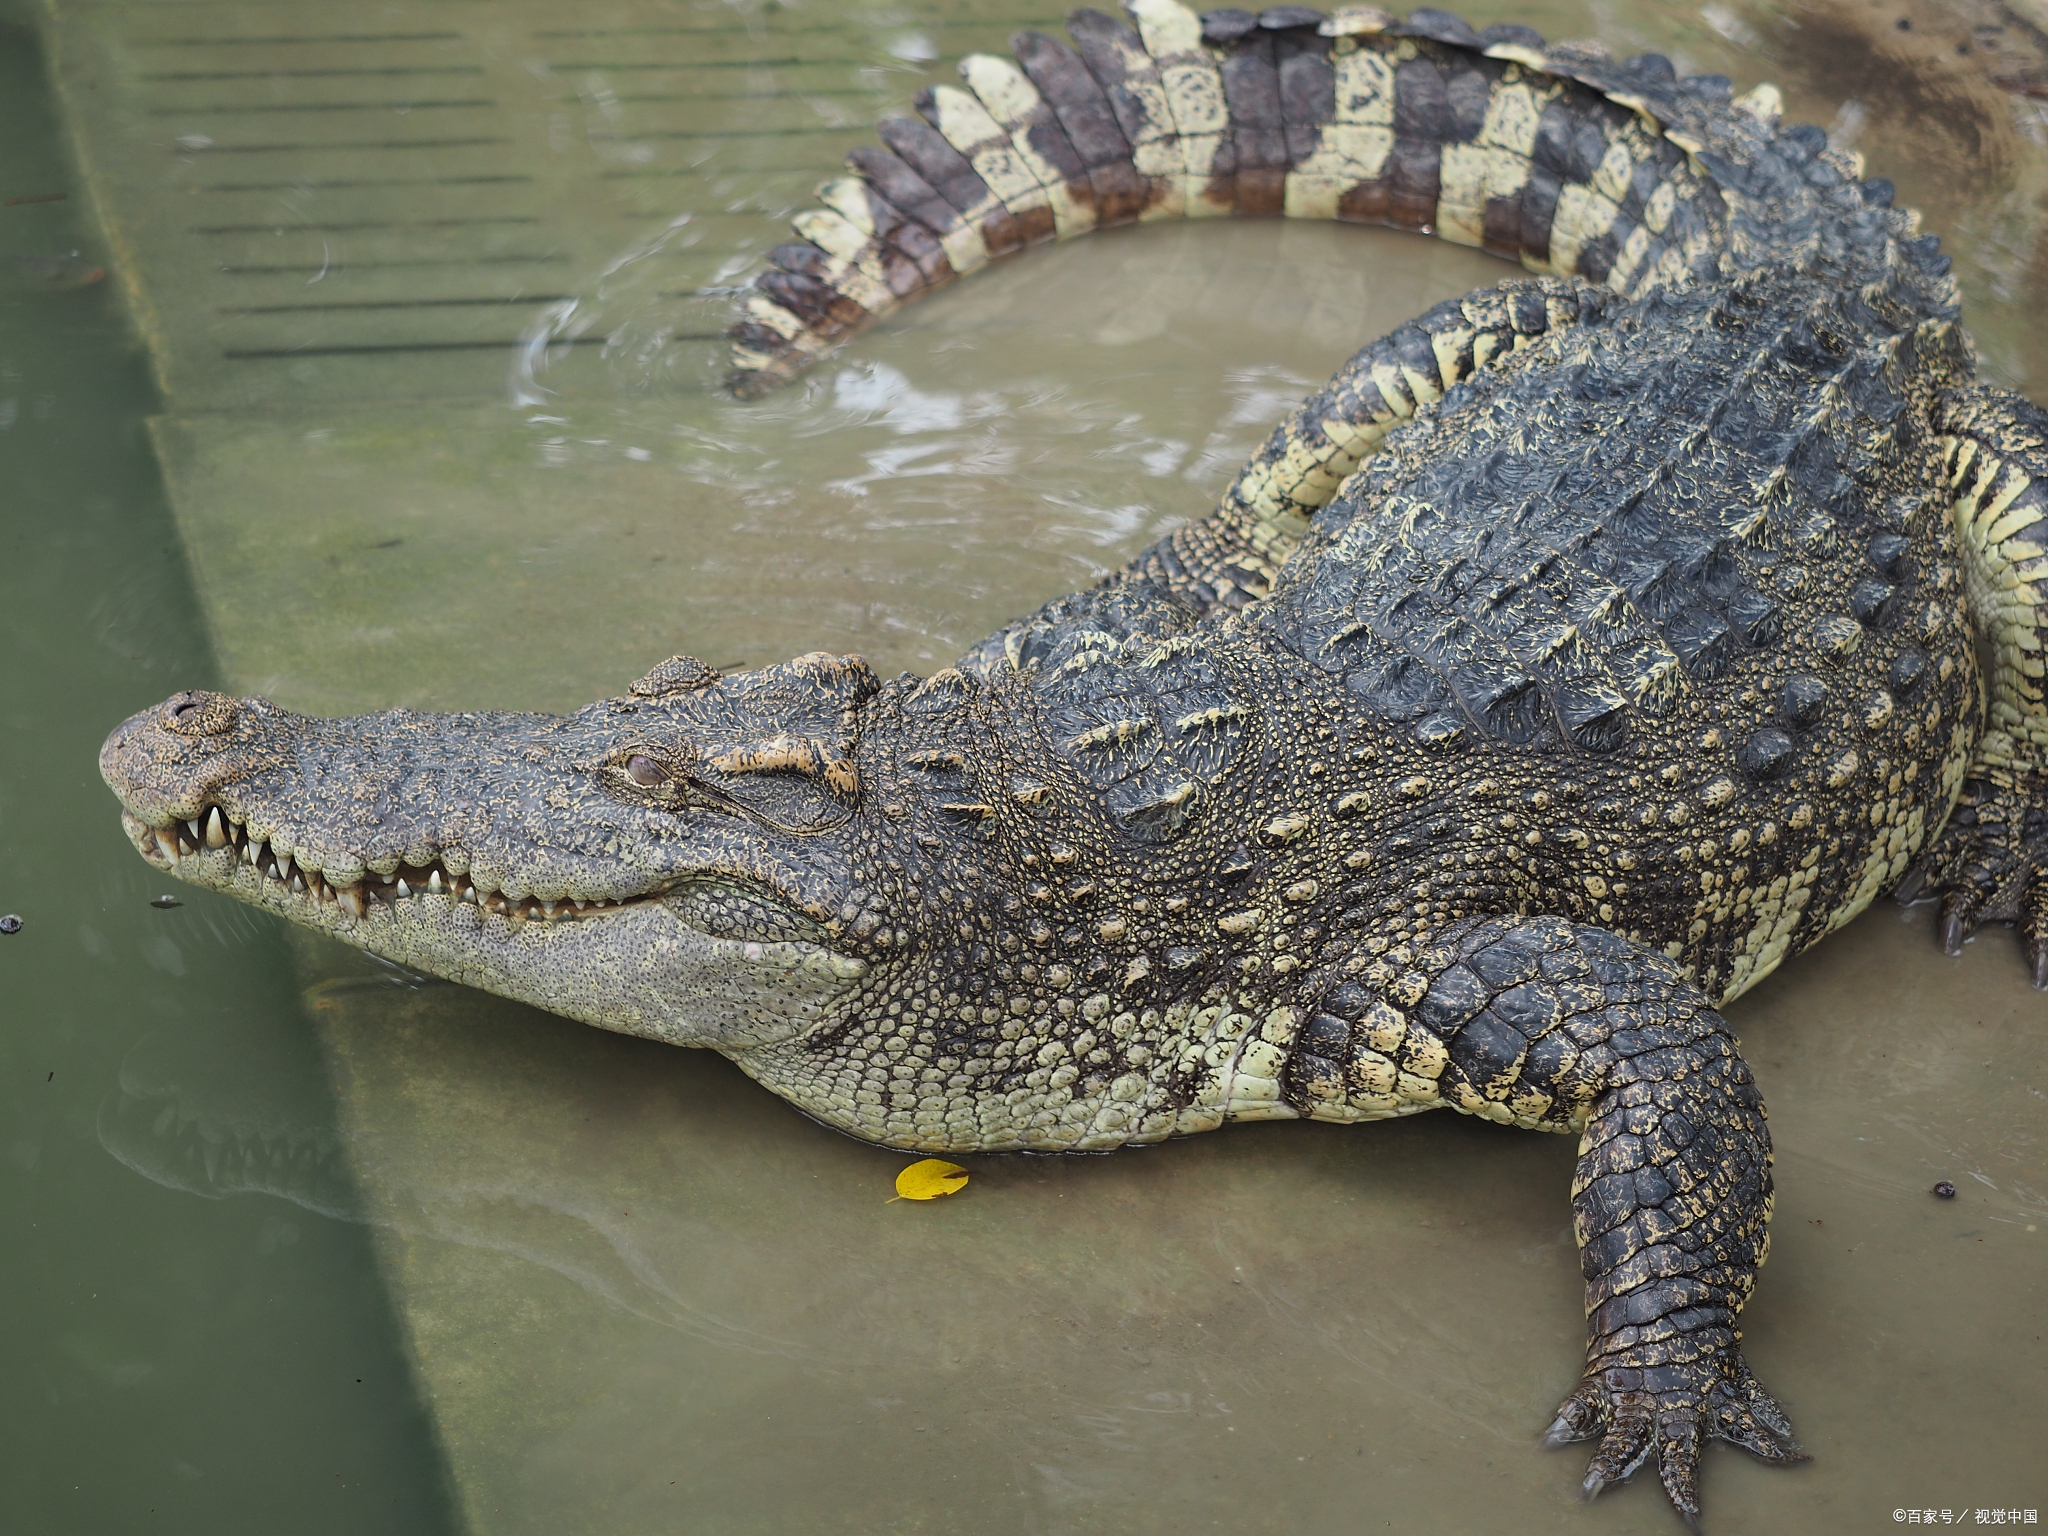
163, 762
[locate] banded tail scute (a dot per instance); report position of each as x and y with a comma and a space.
1557, 157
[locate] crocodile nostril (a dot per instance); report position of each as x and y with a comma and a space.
198, 713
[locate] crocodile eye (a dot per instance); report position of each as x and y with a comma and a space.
645, 771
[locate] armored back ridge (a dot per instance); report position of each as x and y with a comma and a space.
1582, 650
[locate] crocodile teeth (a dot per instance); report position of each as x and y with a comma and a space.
214, 828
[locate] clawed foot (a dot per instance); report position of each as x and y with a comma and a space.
1990, 863
1670, 1412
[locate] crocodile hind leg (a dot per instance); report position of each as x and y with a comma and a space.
1990, 862
1538, 1022
1232, 556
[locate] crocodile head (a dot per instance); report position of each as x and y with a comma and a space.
673, 863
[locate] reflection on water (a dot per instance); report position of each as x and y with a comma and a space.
209, 1109
49, 273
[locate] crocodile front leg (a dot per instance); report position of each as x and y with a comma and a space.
1577, 1029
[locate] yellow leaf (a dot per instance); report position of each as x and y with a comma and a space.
929, 1179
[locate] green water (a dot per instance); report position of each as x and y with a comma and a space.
169, 1361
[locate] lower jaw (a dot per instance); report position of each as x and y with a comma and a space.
550, 964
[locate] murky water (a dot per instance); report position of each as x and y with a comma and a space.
172, 1359
636, 1293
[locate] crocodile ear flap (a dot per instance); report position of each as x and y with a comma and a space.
679, 674
800, 771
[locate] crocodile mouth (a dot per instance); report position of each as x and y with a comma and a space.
223, 846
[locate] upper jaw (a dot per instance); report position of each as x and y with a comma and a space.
336, 821
488, 810
223, 850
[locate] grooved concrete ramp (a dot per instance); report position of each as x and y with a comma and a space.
360, 201
381, 256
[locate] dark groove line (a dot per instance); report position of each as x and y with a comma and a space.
775, 96
268, 149
321, 106
265, 42
378, 266
870, 61
170, 7
356, 304
731, 133
333, 229
371, 349
700, 64
750, 223
814, 26
710, 166
313, 74
849, 90
335, 186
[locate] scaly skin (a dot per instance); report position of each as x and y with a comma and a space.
1585, 649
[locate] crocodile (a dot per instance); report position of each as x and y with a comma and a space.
1584, 649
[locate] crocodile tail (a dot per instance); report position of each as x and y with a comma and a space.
1556, 156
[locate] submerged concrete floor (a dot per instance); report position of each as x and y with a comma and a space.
641, 1294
